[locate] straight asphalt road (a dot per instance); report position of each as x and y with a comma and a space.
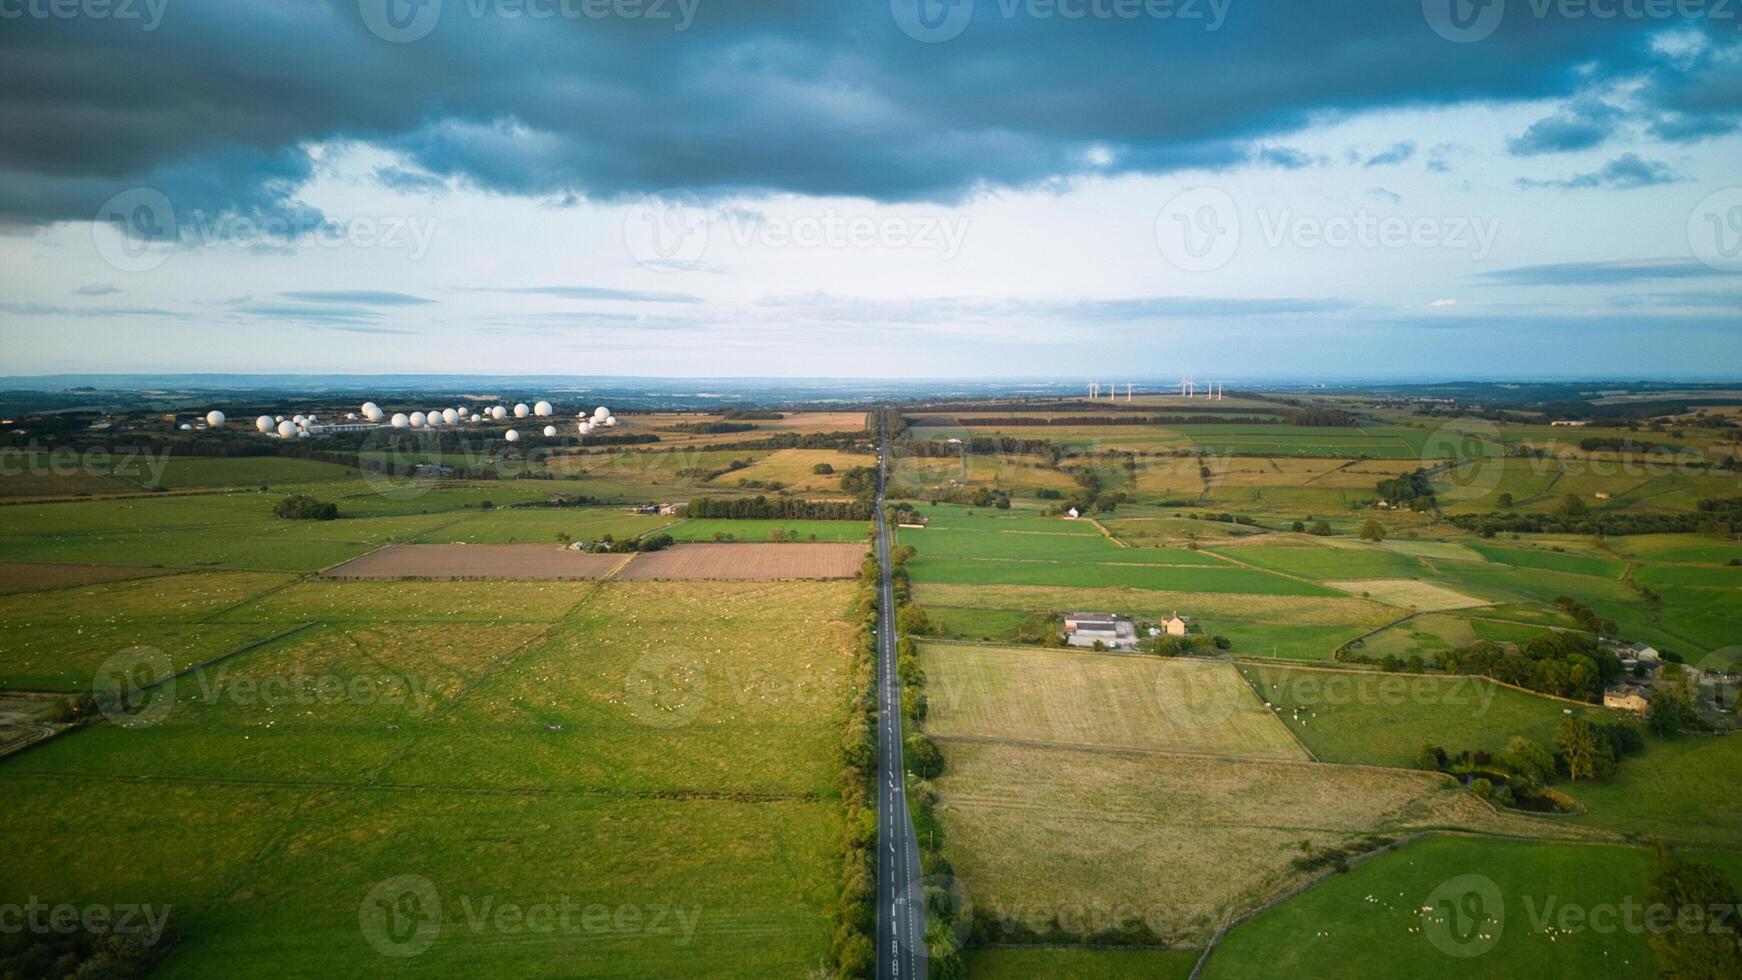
900, 903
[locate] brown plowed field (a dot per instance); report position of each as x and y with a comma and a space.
498, 561
746, 562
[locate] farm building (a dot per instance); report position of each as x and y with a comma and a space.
1173, 625
1568, 424
1088, 629
1072, 514
1628, 698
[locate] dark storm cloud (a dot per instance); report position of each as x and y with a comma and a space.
217, 105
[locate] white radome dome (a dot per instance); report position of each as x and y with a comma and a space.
187, 426
544, 409
401, 420
215, 420
287, 429
586, 428
549, 431
521, 411
601, 413
419, 420
499, 413
372, 411
298, 419
611, 420
511, 436
475, 419
450, 416
303, 433
264, 423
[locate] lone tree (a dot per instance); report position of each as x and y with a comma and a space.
1701, 944
1373, 531
1587, 752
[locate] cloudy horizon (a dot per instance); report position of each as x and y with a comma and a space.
1001, 188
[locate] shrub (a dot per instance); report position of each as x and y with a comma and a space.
302, 507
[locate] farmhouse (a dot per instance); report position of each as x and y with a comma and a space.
1173, 625
1088, 629
1628, 697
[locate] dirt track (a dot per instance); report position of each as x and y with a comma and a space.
494, 561
746, 562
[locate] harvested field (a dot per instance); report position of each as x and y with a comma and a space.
746, 562
1183, 842
1094, 700
497, 561
1408, 594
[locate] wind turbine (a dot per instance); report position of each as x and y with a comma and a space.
1094, 390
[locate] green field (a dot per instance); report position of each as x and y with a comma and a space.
1385, 719
1075, 697
1063, 963
636, 747
1371, 921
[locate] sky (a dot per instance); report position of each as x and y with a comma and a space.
911, 188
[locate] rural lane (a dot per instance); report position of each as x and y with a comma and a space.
901, 953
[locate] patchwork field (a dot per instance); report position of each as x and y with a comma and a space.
1453, 907
746, 562
483, 561
1181, 843
1078, 698
638, 747
1369, 718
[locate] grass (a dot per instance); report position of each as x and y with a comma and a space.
1070, 697
705, 529
1371, 921
494, 740
1687, 789
792, 468
1412, 594
1368, 718
1063, 963
1183, 843
1165, 578
1322, 563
